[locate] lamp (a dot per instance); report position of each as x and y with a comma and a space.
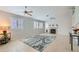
4, 28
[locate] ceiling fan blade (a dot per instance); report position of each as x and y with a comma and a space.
29, 11
29, 14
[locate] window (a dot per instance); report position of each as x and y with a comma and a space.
35, 25
40, 25
20, 23
16, 23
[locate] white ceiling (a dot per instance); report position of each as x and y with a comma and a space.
39, 12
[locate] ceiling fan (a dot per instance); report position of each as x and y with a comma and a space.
27, 12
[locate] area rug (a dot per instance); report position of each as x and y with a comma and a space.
39, 42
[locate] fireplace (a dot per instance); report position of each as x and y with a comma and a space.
53, 31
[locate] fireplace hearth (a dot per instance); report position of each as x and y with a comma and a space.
53, 31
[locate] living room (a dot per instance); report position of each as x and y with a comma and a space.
53, 21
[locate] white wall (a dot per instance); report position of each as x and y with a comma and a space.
64, 25
75, 19
64, 22
4, 20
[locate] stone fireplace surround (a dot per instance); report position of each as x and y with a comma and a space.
52, 29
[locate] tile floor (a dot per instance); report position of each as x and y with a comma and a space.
60, 44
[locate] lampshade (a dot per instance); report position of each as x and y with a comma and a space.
4, 28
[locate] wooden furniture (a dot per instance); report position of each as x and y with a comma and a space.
5, 37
